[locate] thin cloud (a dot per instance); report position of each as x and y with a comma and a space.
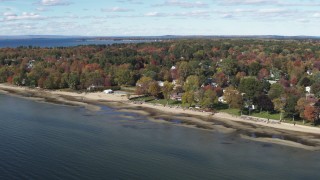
183, 4
116, 9
246, 2
193, 14
227, 16
271, 11
54, 3
268, 14
179, 14
41, 9
130, 1
267, 3
156, 14
24, 16
316, 15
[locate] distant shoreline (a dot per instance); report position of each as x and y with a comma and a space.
160, 37
295, 136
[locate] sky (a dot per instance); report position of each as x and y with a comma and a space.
159, 17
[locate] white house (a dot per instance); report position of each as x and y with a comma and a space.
161, 83
214, 84
308, 89
272, 82
221, 99
176, 96
309, 72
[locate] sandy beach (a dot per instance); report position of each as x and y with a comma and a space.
308, 137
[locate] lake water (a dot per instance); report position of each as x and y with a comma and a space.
60, 42
46, 141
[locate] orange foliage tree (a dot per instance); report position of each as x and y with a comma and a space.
310, 113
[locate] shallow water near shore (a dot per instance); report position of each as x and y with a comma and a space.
46, 141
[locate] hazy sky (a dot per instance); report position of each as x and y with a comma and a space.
160, 17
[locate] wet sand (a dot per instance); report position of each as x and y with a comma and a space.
284, 134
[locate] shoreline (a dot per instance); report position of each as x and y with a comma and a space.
290, 135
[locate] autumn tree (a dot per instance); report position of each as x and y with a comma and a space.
191, 84
73, 80
275, 91
64, 81
167, 90
300, 107
210, 97
232, 97
229, 66
250, 86
263, 73
143, 84
188, 98
221, 79
52, 81
199, 95
122, 76
184, 70
310, 113
279, 104
254, 68
154, 89
263, 102
291, 103
315, 89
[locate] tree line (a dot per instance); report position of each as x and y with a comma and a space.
269, 75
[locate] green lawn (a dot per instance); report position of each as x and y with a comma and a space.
267, 115
143, 98
263, 114
151, 99
130, 89
235, 112
164, 102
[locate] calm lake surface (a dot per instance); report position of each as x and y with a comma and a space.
46, 141
60, 42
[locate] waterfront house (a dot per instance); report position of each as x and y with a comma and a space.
176, 96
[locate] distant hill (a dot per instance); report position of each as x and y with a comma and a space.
160, 37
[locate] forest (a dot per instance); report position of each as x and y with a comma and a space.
274, 76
